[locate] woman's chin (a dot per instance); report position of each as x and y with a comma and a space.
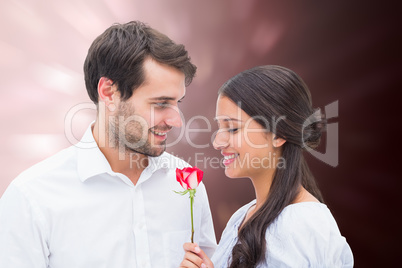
230, 173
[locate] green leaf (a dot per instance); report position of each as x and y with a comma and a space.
182, 193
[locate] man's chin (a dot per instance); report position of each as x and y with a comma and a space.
154, 152
157, 152
160, 151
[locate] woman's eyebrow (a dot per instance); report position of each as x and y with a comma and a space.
226, 119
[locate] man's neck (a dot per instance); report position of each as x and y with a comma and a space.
121, 161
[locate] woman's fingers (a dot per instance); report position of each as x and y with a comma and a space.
191, 260
193, 247
196, 256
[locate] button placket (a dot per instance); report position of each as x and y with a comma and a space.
140, 228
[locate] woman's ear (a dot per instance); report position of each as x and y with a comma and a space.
106, 90
277, 142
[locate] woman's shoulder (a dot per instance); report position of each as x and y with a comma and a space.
310, 213
305, 219
307, 233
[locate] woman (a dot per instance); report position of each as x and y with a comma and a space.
266, 120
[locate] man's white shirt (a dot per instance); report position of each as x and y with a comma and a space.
73, 211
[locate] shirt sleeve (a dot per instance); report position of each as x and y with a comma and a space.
22, 240
207, 240
303, 238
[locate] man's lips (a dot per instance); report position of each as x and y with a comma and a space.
160, 134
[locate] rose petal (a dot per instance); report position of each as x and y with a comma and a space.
179, 178
200, 174
189, 177
192, 180
186, 174
179, 174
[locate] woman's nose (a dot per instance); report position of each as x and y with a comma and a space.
221, 140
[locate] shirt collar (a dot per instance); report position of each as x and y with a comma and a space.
92, 162
163, 162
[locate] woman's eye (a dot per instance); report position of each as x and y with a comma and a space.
233, 130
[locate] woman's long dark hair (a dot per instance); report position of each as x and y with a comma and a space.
268, 93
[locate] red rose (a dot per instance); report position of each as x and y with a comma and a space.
189, 178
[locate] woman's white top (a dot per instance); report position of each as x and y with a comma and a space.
304, 235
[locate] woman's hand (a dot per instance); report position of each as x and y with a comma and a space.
195, 257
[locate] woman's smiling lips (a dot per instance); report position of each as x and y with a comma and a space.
229, 158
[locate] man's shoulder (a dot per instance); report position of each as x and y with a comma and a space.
58, 163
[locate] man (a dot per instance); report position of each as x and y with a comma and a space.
109, 201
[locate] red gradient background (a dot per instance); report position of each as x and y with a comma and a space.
346, 51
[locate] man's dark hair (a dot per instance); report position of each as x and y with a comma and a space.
119, 54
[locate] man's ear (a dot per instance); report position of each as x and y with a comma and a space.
277, 142
106, 90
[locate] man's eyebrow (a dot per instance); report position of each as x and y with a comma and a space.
165, 98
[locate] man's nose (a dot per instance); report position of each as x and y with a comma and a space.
173, 117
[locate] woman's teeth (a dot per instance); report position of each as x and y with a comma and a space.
227, 157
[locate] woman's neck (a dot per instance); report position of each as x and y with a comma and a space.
262, 184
